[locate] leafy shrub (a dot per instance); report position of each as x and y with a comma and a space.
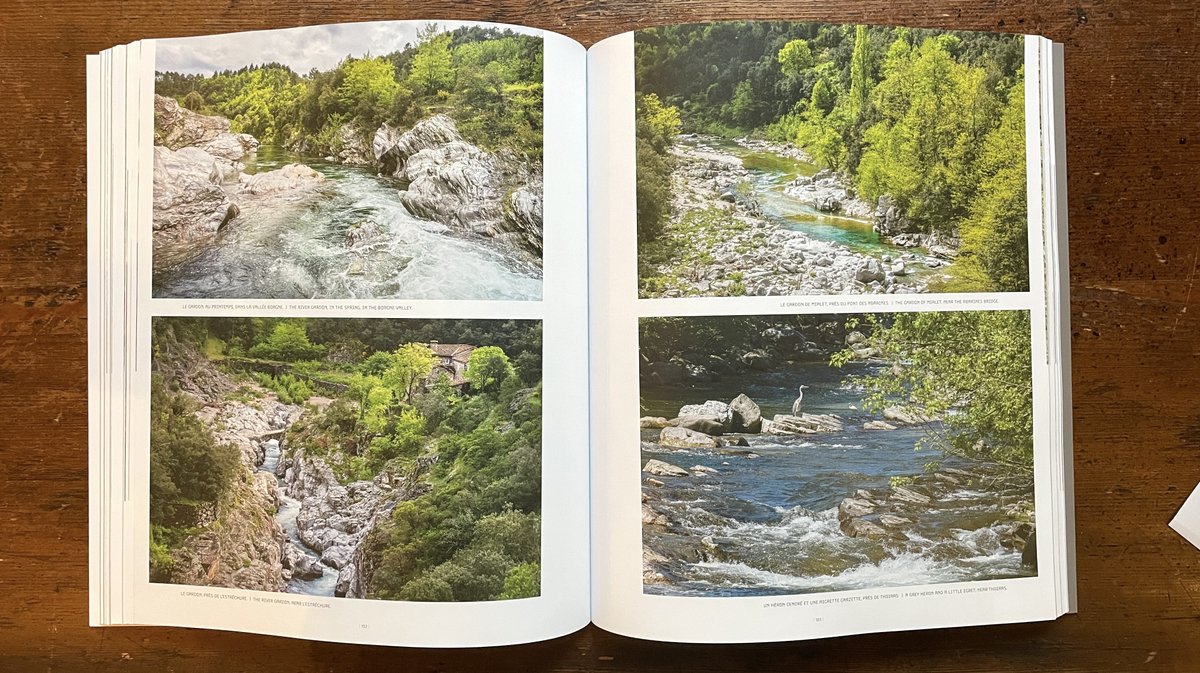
188, 470
288, 342
522, 581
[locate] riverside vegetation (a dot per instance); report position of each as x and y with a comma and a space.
351, 457
909, 461
415, 174
910, 140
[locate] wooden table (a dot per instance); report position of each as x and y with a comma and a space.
1133, 85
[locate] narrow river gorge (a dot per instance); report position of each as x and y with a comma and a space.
289, 510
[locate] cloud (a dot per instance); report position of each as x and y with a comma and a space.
301, 49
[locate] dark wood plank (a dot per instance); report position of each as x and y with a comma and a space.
1133, 130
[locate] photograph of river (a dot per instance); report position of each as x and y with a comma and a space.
394, 161
358, 458
788, 158
798, 454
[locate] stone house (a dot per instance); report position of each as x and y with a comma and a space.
451, 362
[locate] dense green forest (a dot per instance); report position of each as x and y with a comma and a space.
473, 534
971, 369
489, 80
934, 120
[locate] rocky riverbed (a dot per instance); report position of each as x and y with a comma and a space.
288, 524
419, 213
327, 522
242, 545
743, 497
748, 243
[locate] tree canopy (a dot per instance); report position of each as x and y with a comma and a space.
489, 80
971, 369
934, 120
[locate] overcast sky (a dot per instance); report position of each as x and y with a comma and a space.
301, 49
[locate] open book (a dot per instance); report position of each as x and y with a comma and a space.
461, 334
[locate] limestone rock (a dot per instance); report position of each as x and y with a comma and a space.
747, 416
289, 178
457, 184
854, 507
908, 495
352, 148
786, 424
651, 517
899, 415
718, 411
870, 271
334, 519
708, 425
663, 469
176, 127
523, 214
682, 438
863, 528
383, 148
188, 203
893, 521
302, 565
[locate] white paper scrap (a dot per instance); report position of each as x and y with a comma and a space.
1187, 520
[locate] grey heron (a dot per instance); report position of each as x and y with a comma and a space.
796, 404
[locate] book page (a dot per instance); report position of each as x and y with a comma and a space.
355, 269
822, 396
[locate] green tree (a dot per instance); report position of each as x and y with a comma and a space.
410, 367
368, 90
662, 122
860, 74
487, 368
824, 97
971, 369
522, 581
432, 66
406, 437
995, 234
741, 108
935, 112
359, 388
288, 342
189, 472
795, 57
193, 101
656, 127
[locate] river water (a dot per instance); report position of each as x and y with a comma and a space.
770, 173
289, 508
772, 520
278, 249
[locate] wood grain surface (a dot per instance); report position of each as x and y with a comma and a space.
1133, 89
